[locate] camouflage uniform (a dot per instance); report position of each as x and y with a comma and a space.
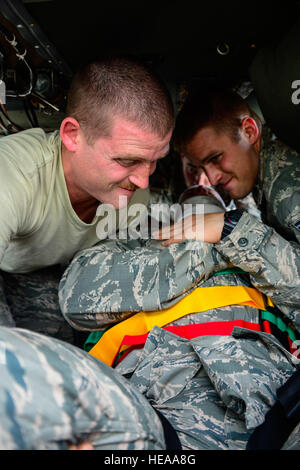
277, 190
105, 283
54, 394
213, 389
203, 386
30, 301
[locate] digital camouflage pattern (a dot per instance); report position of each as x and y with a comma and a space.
54, 394
105, 283
113, 279
31, 301
214, 389
277, 190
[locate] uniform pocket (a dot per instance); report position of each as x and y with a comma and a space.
246, 369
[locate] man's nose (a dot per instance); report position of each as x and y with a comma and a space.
203, 180
141, 177
213, 174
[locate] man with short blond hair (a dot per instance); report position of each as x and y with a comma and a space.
119, 123
118, 86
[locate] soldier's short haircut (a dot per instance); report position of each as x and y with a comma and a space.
216, 107
119, 86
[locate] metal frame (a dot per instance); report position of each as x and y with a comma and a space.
15, 12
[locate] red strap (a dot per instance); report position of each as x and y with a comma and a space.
267, 327
198, 329
293, 348
189, 332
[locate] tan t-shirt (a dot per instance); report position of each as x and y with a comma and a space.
38, 226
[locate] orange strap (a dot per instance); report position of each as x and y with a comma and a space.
200, 299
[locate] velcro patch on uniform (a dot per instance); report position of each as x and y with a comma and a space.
297, 224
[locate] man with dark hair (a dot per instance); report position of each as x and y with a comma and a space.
217, 107
219, 134
119, 122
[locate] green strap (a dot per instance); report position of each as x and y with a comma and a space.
244, 280
92, 339
230, 271
279, 323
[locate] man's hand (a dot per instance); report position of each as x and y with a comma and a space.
205, 227
86, 445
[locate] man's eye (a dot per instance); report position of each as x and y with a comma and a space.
192, 170
126, 163
215, 158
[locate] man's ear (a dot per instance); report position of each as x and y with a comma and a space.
70, 133
250, 130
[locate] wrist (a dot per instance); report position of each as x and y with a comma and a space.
231, 219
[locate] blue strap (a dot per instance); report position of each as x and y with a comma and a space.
280, 420
171, 437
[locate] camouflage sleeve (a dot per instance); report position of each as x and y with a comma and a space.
272, 261
112, 280
285, 199
293, 220
54, 394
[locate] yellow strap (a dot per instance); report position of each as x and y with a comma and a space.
199, 300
